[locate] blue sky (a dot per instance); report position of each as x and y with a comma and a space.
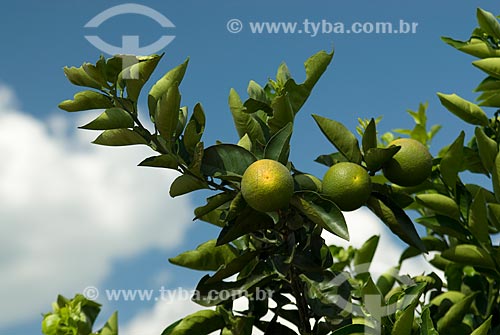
46, 199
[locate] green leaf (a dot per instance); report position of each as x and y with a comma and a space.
484, 328
469, 254
185, 184
495, 177
467, 111
396, 219
98, 72
246, 143
487, 96
307, 182
369, 140
181, 120
283, 73
488, 149
489, 100
213, 203
214, 217
331, 159
256, 92
112, 118
449, 296
488, 84
488, 23
208, 293
444, 225
241, 325
455, 314
473, 189
51, 324
199, 323
324, 293
283, 113
258, 99
207, 256
237, 205
161, 87
278, 147
345, 141
364, 255
135, 76
195, 164
474, 46
440, 263
245, 123
322, 212
494, 214
315, 67
113, 67
78, 76
440, 204
472, 162
234, 266
419, 133
352, 329
452, 160
119, 137
478, 220
375, 158
427, 327
170, 328
404, 323
86, 100
226, 159
194, 129
168, 161
248, 221
431, 244
489, 65
434, 130
167, 113
111, 326
387, 280
454, 274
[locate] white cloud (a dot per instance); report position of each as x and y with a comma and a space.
69, 208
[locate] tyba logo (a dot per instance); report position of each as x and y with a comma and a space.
130, 43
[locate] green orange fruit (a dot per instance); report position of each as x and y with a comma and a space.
411, 165
267, 185
348, 185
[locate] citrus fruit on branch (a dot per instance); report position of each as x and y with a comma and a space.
267, 185
411, 165
348, 185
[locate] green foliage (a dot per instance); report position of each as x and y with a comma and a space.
345, 141
76, 317
282, 252
201, 322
